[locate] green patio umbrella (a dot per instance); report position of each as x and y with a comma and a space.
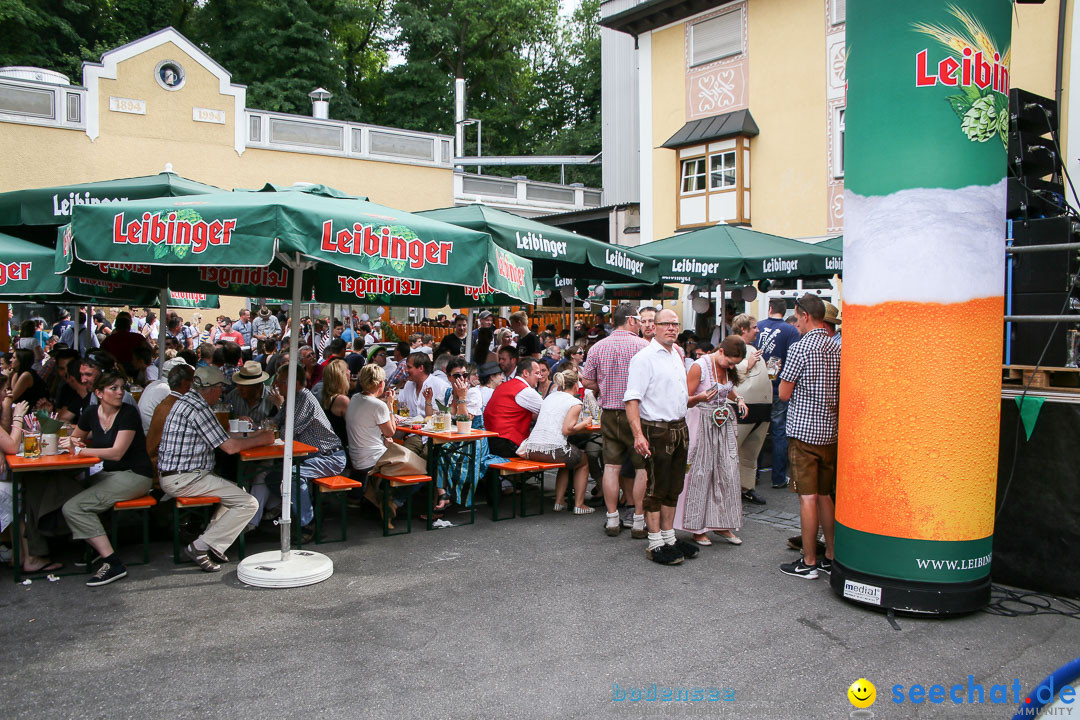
253, 229
727, 252
309, 234
553, 251
52, 206
836, 246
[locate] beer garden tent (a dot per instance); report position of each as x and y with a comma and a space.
309, 234
556, 253
33, 212
728, 252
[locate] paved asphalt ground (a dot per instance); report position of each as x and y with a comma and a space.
530, 618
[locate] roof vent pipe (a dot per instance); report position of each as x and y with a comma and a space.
320, 103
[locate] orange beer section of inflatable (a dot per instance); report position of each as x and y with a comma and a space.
902, 389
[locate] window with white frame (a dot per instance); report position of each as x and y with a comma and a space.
714, 183
839, 12
722, 170
716, 38
838, 142
693, 175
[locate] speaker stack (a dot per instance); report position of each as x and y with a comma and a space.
1042, 300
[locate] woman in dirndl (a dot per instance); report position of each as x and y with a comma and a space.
711, 500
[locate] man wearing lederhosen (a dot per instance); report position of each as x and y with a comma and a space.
656, 400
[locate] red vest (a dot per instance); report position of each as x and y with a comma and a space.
504, 416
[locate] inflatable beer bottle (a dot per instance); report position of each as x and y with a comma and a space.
924, 259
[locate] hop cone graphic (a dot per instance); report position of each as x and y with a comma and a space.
981, 120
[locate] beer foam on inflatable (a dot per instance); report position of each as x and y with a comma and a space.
925, 245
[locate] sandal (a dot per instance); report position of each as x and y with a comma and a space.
583, 509
48, 567
703, 540
559, 507
202, 559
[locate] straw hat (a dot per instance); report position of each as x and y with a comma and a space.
250, 374
832, 314
264, 312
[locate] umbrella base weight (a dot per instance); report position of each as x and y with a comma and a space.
267, 569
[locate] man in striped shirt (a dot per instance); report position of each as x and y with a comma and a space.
186, 465
605, 373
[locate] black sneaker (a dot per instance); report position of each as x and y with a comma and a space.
688, 550
800, 569
824, 565
107, 573
665, 555
751, 496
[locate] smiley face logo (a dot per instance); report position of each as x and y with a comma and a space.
862, 693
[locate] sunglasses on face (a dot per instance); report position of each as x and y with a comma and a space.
459, 376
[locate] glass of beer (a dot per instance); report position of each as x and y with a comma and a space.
773, 364
31, 445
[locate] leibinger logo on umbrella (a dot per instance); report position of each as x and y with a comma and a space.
695, 267
261, 277
62, 208
14, 271
484, 289
508, 269
103, 284
772, 265
380, 242
175, 229
377, 285
619, 259
197, 297
125, 267
539, 243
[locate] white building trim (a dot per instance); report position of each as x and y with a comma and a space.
92, 72
645, 140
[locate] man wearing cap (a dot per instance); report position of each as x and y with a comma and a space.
265, 327
486, 321
157, 391
62, 324
186, 462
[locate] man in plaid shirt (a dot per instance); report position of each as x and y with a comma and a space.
186, 464
810, 380
605, 373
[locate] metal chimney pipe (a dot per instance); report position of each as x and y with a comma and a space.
459, 117
320, 103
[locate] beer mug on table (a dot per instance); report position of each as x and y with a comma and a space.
31, 444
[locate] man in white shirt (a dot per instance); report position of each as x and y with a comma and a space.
422, 389
157, 391
656, 400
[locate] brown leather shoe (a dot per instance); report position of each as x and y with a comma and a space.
639, 534
612, 531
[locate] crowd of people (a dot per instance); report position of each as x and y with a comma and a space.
682, 420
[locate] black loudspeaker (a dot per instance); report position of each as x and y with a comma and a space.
1024, 341
1041, 272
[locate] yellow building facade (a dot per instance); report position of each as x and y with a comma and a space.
161, 103
740, 108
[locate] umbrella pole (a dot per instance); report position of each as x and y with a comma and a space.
286, 569
720, 310
76, 330
290, 419
572, 323
163, 302
468, 338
